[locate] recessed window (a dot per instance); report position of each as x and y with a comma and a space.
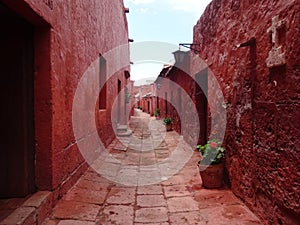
102, 83
179, 99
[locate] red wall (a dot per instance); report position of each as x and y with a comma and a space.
146, 93
183, 114
262, 137
176, 77
69, 37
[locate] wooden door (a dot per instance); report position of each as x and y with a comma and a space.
17, 109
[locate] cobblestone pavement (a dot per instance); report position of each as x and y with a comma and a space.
134, 188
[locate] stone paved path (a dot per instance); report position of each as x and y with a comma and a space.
119, 195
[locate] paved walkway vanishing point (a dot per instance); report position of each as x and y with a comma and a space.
179, 200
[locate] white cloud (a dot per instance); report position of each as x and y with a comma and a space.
195, 6
143, 10
188, 5
139, 2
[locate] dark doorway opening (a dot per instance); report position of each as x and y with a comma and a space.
17, 155
119, 101
102, 83
201, 103
166, 103
149, 108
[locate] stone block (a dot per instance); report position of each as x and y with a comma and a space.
76, 211
151, 201
182, 204
151, 215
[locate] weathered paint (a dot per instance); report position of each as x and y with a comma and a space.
70, 35
262, 99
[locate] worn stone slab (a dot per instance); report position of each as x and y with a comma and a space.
190, 170
22, 215
37, 199
42, 202
108, 169
131, 159
127, 171
147, 141
171, 142
147, 155
124, 140
136, 141
149, 175
129, 180
82, 195
161, 150
174, 180
147, 148
120, 147
194, 160
116, 214
21, 208
75, 222
163, 223
92, 185
111, 158
187, 218
95, 177
229, 214
119, 156
190, 176
162, 155
151, 215
149, 178
176, 191
121, 196
150, 190
50, 222
147, 162
163, 145
151, 200
75, 210
208, 198
182, 204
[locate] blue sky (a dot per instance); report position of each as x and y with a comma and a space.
169, 21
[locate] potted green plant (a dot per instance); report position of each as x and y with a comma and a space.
127, 98
157, 113
211, 166
168, 123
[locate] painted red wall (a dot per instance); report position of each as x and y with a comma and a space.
183, 115
146, 93
262, 138
69, 37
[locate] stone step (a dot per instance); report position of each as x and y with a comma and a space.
122, 129
33, 211
124, 134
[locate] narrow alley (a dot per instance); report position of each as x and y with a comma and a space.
178, 200
117, 112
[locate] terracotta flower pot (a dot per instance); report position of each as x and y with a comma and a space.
212, 176
168, 127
